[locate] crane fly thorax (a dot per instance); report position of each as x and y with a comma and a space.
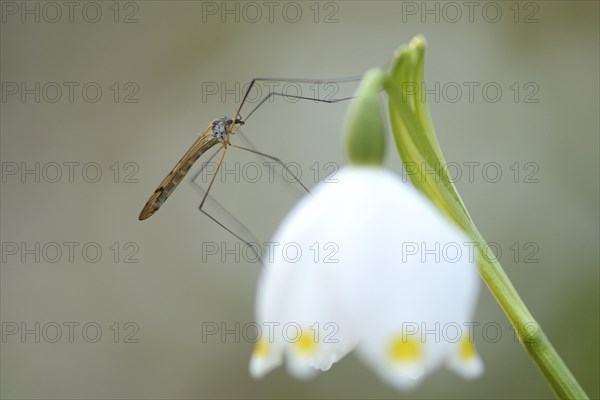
222, 127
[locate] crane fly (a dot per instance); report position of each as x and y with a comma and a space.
219, 132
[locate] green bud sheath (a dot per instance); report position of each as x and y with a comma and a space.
364, 129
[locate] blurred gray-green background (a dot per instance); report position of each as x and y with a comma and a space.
154, 62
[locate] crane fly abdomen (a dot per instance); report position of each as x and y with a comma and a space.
206, 140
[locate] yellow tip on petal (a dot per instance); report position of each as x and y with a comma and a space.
262, 349
467, 349
405, 350
307, 344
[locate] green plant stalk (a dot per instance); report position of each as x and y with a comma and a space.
530, 334
417, 143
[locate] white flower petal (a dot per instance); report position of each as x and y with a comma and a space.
401, 270
422, 283
403, 376
300, 369
304, 293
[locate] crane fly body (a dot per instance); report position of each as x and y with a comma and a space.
217, 132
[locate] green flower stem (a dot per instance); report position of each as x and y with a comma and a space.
530, 333
419, 150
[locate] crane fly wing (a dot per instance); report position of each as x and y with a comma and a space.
167, 186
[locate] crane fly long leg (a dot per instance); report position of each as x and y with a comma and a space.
214, 177
289, 80
297, 189
260, 153
168, 185
249, 239
220, 215
267, 97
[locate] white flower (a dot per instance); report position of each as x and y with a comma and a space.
368, 263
